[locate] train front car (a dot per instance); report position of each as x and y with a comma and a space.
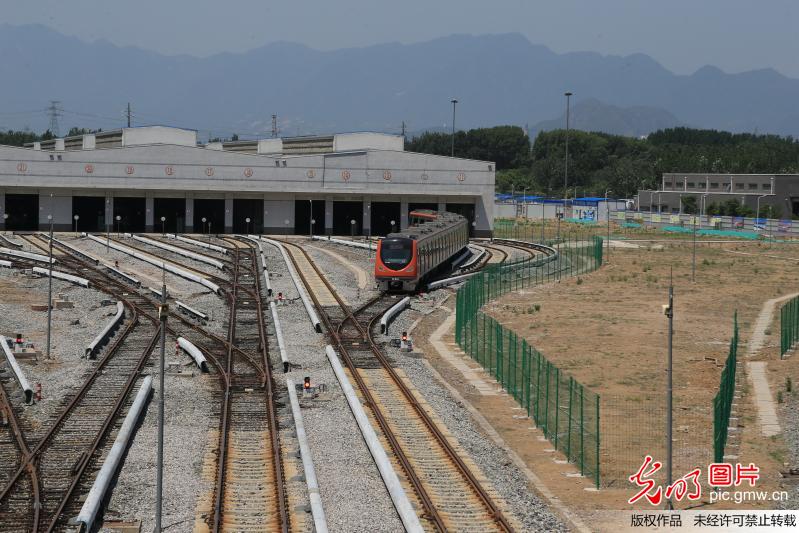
396, 264
406, 260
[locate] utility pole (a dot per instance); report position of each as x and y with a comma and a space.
128, 114
693, 253
159, 483
454, 103
669, 311
403, 131
54, 111
274, 126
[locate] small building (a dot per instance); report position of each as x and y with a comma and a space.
780, 191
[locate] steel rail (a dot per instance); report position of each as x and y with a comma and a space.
366, 334
69, 258
22, 444
271, 404
109, 421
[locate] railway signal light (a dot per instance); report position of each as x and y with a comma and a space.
404, 336
280, 297
306, 383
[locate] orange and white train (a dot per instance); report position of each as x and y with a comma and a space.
407, 259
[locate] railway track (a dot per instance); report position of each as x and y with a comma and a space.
249, 450
447, 487
69, 449
247, 406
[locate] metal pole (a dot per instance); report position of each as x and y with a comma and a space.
107, 237
693, 254
607, 205
50, 285
159, 483
454, 103
310, 222
566, 168
543, 219
669, 390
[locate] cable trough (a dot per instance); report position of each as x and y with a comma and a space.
108, 330
160, 264
18, 374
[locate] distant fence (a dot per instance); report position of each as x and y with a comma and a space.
722, 403
789, 325
565, 410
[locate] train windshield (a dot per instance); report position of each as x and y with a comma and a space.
396, 253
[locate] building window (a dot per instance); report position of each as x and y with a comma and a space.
766, 186
739, 185
277, 163
690, 185
752, 186
714, 185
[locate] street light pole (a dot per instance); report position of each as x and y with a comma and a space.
76, 217
310, 221
159, 483
119, 218
566, 166
50, 282
163, 226
454, 103
247, 220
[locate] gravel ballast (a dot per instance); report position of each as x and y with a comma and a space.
353, 494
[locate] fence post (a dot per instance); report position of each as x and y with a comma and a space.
597, 441
582, 432
569, 438
557, 403
546, 405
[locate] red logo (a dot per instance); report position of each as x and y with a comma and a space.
425, 176
209, 171
89, 169
22, 167
311, 173
719, 475
346, 175
387, 175
129, 169
461, 176
169, 170
248, 172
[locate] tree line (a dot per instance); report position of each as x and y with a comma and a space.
601, 161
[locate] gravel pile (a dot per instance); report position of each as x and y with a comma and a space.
347, 474
191, 408
789, 419
510, 483
72, 330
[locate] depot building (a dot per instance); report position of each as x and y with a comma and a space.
157, 178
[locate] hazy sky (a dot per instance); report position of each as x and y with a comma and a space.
683, 35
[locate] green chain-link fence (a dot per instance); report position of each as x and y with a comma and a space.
566, 411
722, 403
789, 325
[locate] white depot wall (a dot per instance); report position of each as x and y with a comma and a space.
89, 141
345, 142
158, 135
270, 146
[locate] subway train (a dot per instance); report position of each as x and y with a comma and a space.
407, 259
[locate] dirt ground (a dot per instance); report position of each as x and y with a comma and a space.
608, 330
620, 349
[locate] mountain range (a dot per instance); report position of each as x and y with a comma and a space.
498, 79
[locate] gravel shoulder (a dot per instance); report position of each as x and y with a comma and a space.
72, 330
353, 494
